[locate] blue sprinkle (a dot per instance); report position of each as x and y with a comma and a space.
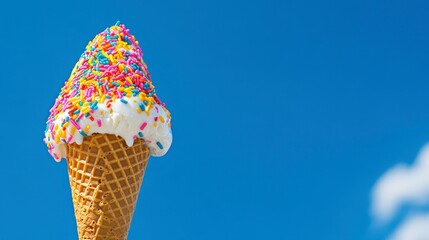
124, 101
117, 23
76, 112
159, 145
93, 105
146, 86
116, 84
142, 106
82, 133
140, 134
127, 40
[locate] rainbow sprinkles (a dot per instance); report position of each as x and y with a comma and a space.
109, 91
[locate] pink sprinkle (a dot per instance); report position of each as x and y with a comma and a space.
155, 119
102, 67
69, 138
74, 123
80, 116
143, 125
118, 93
118, 76
105, 74
99, 122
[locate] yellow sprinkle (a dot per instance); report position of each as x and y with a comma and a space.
84, 109
155, 124
57, 138
74, 100
63, 134
161, 119
72, 131
86, 130
128, 93
103, 97
138, 110
128, 79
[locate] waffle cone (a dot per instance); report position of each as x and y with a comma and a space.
105, 179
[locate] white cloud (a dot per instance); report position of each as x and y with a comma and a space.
399, 185
414, 228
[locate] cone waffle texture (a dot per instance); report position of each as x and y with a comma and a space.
105, 179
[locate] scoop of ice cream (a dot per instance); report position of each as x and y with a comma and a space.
109, 91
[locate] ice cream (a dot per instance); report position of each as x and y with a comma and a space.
106, 122
109, 92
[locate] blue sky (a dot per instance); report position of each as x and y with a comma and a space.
285, 113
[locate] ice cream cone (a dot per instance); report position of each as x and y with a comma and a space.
105, 179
